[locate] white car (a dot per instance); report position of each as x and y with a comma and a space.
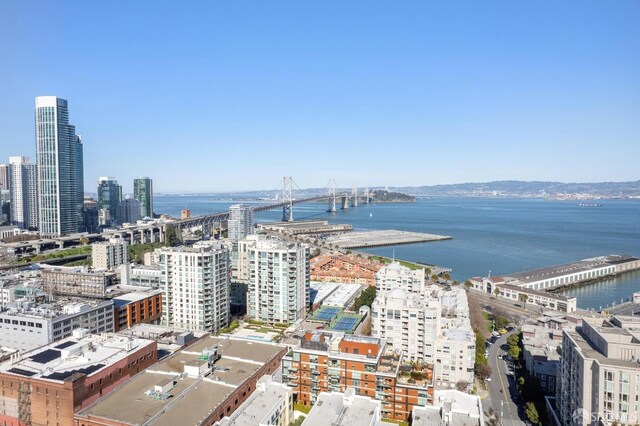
488, 379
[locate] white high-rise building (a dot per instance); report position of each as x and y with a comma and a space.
110, 254
394, 275
408, 321
195, 284
60, 169
278, 280
429, 325
240, 222
23, 177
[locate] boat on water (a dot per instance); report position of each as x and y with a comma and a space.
590, 205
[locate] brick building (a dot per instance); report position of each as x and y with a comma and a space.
332, 362
47, 385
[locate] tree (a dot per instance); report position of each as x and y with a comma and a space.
366, 298
434, 277
514, 352
462, 385
532, 413
446, 276
501, 322
468, 284
524, 299
84, 241
483, 370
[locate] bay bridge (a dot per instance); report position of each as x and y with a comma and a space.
157, 231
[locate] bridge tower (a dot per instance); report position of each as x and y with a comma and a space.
366, 195
332, 196
287, 198
354, 194
345, 201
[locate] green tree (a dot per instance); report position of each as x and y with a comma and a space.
524, 299
84, 241
532, 413
366, 298
502, 322
434, 277
514, 351
468, 284
171, 235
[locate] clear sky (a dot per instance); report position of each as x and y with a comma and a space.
233, 95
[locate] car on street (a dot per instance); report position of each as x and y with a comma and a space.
500, 357
488, 379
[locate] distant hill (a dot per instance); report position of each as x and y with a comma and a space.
514, 187
382, 196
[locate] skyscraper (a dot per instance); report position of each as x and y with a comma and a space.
60, 168
278, 285
109, 195
240, 222
143, 192
24, 192
4, 176
128, 211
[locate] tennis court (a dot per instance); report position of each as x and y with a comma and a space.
326, 314
346, 324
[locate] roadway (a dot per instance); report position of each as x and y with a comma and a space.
502, 387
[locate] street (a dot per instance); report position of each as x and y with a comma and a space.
502, 387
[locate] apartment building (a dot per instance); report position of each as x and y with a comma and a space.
137, 308
394, 275
110, 254
332, 362
599, 378
195, 286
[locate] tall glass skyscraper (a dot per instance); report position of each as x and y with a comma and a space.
60, 168
109, 195
143, 192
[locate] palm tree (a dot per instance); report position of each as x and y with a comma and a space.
523, 298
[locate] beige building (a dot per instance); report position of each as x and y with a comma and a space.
109, 254
394, 275
271, 404
599, 378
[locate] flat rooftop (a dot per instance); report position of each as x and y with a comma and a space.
382, 238
65, 357
330, 409
257, 406
192, 400
134, 296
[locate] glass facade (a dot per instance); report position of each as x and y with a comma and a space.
59, 157
143, 192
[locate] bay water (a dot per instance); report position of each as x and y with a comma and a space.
490, 235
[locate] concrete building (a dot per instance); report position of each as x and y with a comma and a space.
599, 378
531, 286
26, 324
110, 254
394, 275
185, 214
541, 354
128, 211
408, 321
4, 177
60, 169
75, 281
195, 286
5, 206
278, 282
47, 385
271, 404
199, 385
344, 409
343, 296
450, 408
23, 177
109, 197
240, 223
141, 275
431, 327
143, 192
330, 361
140, 307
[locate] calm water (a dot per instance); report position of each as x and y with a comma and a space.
497, 235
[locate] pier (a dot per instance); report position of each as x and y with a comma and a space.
368, 239
305, 227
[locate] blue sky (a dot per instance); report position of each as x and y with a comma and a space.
229, 95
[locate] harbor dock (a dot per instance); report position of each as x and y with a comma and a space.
368, 239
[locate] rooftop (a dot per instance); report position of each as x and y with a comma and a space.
134, 296
192, 399
61, 307
343, 409
66, 357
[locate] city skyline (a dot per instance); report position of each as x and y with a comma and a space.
231, 98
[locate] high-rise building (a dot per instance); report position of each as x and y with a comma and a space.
240, 223
143, 192
128, 211
109, 195
5, 206
109, 254
60, 168
599, 378
195, 286
394, 275
24, 192
278, 280
4, 176
91, 215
